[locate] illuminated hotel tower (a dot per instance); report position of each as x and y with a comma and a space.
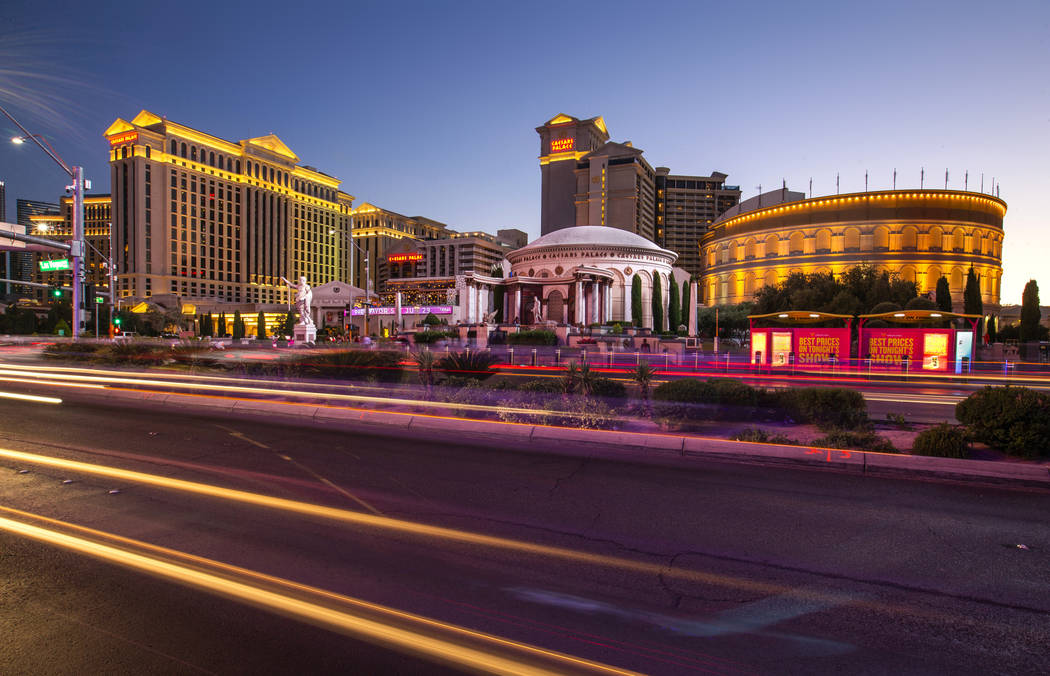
563, 141
199, 216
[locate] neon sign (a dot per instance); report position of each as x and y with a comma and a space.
123, 138
560, 145
404, 258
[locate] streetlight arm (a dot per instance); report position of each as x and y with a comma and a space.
34, 137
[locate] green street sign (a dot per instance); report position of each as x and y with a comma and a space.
100, 299
56, 264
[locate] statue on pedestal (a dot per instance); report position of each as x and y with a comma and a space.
304, 296
537, 310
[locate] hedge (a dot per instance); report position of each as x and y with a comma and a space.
533, 337
1015, 420
428, 337
825, 407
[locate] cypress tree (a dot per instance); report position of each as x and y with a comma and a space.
260, 325
674, 304
209, 325
686, 300
636, 300
972, 304
238, 325
1029, 329
944, 295
658, 303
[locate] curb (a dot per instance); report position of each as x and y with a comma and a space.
574, 442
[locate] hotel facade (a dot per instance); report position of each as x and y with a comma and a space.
920, 235
198, 216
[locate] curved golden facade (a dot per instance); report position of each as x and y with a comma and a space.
919, 234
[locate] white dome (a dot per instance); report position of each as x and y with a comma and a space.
592, 235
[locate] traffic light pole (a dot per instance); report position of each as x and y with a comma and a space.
76, 252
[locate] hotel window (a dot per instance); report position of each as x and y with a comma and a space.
173, 147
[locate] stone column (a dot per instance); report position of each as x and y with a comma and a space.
594, 302
483, 302
692, 308
628, 320
472, 302
608, 302
578, 305
516, 310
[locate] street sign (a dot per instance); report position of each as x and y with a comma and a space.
54, 264
100, 299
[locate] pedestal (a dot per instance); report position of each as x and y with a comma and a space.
305, 334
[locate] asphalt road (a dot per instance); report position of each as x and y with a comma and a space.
698, 568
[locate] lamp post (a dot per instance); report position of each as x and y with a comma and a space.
368, 274
76, 245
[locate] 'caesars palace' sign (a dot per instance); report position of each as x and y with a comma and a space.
561, 145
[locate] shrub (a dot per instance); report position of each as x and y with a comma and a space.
73, 351
476, 365
608, 388
584, 412
942, 441
379, 365
759, 435
541, 386
533, 337
429, 337
826, 407
135, 354
685, 400
865, 440
1015, 420
431, 320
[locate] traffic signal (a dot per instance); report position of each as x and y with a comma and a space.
56, 292
116, 321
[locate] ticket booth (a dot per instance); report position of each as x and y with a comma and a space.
789, 339
914, 343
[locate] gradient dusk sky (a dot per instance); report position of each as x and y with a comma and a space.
429, 108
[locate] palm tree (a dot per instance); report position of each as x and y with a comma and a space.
587, 379
643, 377
425, 361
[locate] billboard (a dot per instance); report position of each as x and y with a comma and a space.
405, 310
928, 349
799, 345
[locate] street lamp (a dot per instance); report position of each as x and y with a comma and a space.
76, 245
368, 273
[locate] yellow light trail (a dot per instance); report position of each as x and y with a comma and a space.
30, 397
402, 639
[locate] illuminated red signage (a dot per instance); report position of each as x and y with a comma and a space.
123, 138
404, 258
561, 145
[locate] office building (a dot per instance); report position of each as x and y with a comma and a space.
203, 217
686, 206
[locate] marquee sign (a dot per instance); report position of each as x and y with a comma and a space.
404, 258
561, 145
405, 310
126, 137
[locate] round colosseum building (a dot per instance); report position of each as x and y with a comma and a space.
920, 235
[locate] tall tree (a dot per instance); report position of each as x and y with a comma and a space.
260, 325
498, 293
972, 304
238, 325
658, 303
674, 304
686, 300
1029, 329
636, 300
944, 295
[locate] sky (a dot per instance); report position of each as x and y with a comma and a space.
430, 108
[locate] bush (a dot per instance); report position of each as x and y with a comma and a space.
533, 337
685, 400
476, 365
1015, 420
757, 435
429, 337
541, 386
607, 388
942, 441
73, 351
826, 407
864, 440
135, 354
585, 412
378, 365
431, 320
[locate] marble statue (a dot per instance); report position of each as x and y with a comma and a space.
490, 318
537, 310
304, 296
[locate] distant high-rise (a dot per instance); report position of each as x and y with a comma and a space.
21, 264
686, 206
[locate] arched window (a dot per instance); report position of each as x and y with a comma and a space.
725, 256
238, 166
957, 280
183, 153
958, 239
796, 242
909, 238
851, 239
147, 152
935, 238
907, 273
772, 245
749, 248
771, 277
749, 284
881, 239
124, 153
193, 153
211, 158
733, 250
824, 241
174, 147
933, 273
